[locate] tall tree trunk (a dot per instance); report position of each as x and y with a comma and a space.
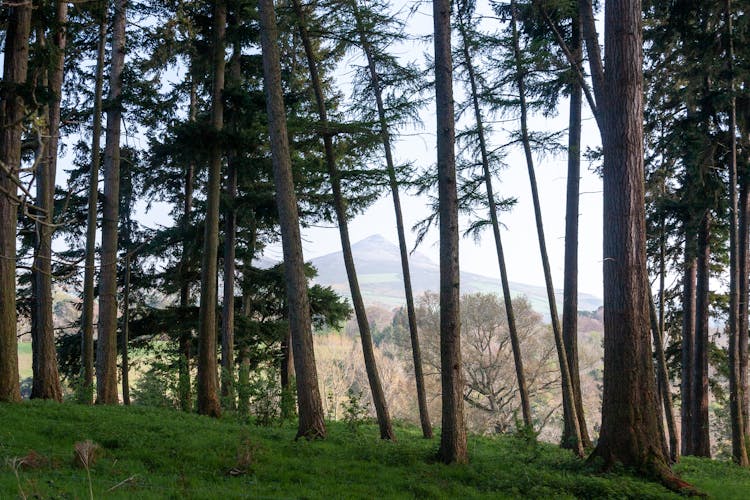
87, 312
739, 446
208, 384
688, 343
744, 269
12, 111
424, 416
699, 398
228, 392
126, 331
227, 311
376, 387
46, 379
662, 380
570, 279
311, 424
106, 346
186, 334
453, 435
569, 406
630, 431
512, 330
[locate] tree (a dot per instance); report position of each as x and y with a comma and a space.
570, 273
230, 234
368, 20
309, 405
464, 21
376, 388
106, 346
739, 446
46, 381
208, 384
453, 436
87, 311
569, 404
12, 112
630, 431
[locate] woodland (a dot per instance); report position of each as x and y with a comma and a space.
237, 116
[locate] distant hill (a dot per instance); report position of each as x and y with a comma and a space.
378, 265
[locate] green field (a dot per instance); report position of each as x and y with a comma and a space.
150, 453
24, 359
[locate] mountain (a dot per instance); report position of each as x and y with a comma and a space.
378, 265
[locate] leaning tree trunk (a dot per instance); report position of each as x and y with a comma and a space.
699, 398
453, 435
106, 345
570, 280
87, 311
186, 333
688, 342
569, 404
311, 424
662, 380
376, 387
739, 446
46, 379
512, 330
12, 111
208, 384
424, 416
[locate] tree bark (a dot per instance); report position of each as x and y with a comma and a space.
424, 416
208, 383
699, 398
739, 446
453, 435
570, 280
309, 404
744, 269
186, 334
512, 330
87, 312
630, 431
12, 110
106, 346
376, 387
688, 343
228, 392
46, 379
569, 404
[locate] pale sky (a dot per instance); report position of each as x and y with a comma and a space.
519, 237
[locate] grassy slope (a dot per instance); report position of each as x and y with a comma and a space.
169, 454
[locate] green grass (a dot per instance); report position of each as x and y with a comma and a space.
150, 453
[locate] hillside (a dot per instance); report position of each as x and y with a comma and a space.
378, 265
153, 453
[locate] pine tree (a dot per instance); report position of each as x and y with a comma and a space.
12, 112
208, 384
376, 388
310, 408
106, 347
453, 436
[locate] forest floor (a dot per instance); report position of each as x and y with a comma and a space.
157, 453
